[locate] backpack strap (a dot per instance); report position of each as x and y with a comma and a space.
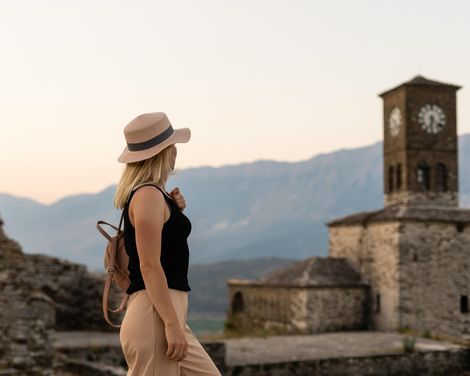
110, 269
107, 286
100, 229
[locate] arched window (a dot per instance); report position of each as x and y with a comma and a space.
423, 176
441, 177
390, 178
237, 303
398, 173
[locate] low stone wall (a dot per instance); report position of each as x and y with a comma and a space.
420, 363
79, 359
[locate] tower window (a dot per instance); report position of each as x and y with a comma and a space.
377, 303
441, 177
390, 178
398, 176
464, 303
423, 176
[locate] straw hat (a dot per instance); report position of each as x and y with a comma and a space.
148, 134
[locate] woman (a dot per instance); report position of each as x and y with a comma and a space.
154, 335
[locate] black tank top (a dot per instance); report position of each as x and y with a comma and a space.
174, 256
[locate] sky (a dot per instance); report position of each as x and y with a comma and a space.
252, 79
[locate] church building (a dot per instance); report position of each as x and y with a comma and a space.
404, 266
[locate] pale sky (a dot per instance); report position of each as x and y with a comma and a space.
253, 79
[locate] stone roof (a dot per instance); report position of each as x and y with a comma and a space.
317, 271
398, 212
420, 80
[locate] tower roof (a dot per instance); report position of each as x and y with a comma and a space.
399, 212
420, 80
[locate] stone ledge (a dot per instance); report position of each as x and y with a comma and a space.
426, 363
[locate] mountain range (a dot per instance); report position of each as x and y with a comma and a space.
238, 212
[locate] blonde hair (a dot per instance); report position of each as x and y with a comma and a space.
155, 169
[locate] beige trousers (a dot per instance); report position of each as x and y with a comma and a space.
144, 344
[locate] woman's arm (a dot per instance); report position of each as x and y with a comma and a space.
148, 212
149, 218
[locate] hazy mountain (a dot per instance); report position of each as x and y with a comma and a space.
245, 211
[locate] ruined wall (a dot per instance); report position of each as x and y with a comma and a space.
278, 309
77, 293
27, 315
41, 294
296, 310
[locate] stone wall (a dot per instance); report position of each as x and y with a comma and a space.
418, 272
373, 250
276, 309
296, 310
336, 309
77, 293
448, 198
435, 363
434, 277
27, 315
38, 295
346, 241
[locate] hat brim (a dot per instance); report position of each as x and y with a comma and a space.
181, 135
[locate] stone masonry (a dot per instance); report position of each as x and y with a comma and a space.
41, 294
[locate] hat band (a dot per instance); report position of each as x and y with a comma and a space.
153, 141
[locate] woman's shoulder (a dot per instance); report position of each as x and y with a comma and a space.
147, 199
149, 191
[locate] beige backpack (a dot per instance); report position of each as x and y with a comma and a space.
116, 263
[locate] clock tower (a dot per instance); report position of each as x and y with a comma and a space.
414, 253
420, 143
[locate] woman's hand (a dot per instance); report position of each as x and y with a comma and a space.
177, 343
178, 198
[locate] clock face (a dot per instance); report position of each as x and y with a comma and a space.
394, 121
431, 118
